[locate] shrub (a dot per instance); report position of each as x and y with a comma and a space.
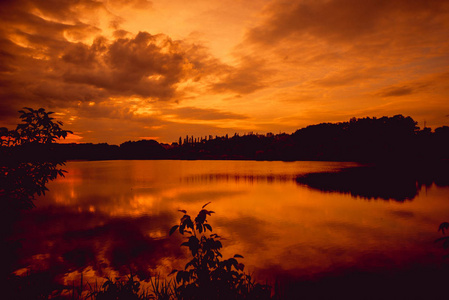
207, 275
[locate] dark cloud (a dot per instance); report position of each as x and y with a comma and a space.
343, 20
30, 49
105, 110
48, 20
194, 113
138, 4
249, 76
63, 10
412, 87
146, 65
120, 33
396, 91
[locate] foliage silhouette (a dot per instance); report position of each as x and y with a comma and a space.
128, 290
144, 149
207, 275
28, 161
445, 239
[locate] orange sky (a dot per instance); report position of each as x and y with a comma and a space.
119, 70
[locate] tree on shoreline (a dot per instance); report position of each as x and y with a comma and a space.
385, 139
27, 162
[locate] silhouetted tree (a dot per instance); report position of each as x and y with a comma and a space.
27, 160
385, 139
143, 149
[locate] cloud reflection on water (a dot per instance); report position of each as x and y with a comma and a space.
67, 241
116, 219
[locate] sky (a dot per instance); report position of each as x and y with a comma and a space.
120, 70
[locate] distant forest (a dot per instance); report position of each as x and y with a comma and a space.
395, 138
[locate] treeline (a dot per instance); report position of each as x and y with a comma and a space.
364, 139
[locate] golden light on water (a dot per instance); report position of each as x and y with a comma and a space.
279, 226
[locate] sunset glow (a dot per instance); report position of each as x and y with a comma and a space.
119, 70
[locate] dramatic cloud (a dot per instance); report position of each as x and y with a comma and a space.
146, 65
125, 69
55, 55
349, 20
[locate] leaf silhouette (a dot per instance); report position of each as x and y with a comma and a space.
443, 226
208, 227
173, 229
206, 204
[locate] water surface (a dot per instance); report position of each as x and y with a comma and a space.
108, 217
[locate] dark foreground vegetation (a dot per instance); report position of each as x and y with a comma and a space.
30, 158
366, 139
207, 275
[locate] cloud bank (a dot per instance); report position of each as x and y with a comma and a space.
295, 63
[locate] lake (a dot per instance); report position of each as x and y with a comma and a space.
295, 223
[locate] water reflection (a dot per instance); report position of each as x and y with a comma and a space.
250, 179
106, 218
65, 241
399, 183
365, 182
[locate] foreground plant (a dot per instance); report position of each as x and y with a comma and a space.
207, 275
128, 289
27, 162
445, 239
